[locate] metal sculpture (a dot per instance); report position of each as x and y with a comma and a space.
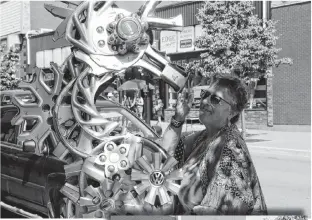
101, 177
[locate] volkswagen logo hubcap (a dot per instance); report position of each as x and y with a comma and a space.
157, 178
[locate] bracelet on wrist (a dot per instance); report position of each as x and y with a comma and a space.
175, 123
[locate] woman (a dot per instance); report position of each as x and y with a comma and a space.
220, 177
139, 102
159, 110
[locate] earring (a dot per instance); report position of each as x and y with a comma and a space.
229, 122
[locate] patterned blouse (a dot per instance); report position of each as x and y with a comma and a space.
227, 176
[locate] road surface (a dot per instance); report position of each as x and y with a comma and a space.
286, 182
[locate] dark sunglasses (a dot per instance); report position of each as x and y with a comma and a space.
214, 99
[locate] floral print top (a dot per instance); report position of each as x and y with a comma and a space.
227, 176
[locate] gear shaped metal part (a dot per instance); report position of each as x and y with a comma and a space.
38, 114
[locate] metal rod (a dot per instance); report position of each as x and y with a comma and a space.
18, 211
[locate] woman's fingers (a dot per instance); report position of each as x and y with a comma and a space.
191, 168
180, 98
190, 99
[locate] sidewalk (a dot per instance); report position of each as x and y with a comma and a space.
270, 141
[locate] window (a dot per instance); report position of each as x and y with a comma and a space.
4, 44
259, 101
8, 131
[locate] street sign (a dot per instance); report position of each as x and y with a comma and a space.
186, 39
168, 41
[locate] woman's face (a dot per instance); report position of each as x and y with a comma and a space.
215, 107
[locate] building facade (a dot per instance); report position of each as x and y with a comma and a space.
292, 84
19, 17
275, 99
23, 19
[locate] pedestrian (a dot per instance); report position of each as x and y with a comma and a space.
159, 110
126, 103
219, 176
139, 102
110, 96
115, 96
133, 107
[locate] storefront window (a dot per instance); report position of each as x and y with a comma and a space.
3, 45
259, 101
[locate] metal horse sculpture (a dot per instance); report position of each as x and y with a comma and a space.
102, 178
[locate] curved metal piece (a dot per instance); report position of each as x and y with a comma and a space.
149, 8
57, 119
94, 119
171, 24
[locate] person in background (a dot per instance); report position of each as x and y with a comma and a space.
110, 96
133, 107
116, 96
159, 110
126, 103
139, 102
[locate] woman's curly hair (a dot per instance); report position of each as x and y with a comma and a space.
236, 87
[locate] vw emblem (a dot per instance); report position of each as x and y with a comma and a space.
157, 178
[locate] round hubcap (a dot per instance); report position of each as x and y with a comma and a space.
128, 29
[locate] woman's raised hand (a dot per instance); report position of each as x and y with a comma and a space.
184, 104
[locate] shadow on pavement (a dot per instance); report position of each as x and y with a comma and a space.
288, 211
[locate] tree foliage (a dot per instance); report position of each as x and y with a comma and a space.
9, 67
235, 41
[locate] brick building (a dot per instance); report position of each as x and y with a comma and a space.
292, 84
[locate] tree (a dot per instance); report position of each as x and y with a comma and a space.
9, 67
235, 41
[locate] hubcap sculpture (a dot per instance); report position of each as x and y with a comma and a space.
100, 178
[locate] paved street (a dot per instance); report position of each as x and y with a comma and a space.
283, 163
285, 181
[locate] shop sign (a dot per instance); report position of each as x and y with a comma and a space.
168, 41
186, 39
